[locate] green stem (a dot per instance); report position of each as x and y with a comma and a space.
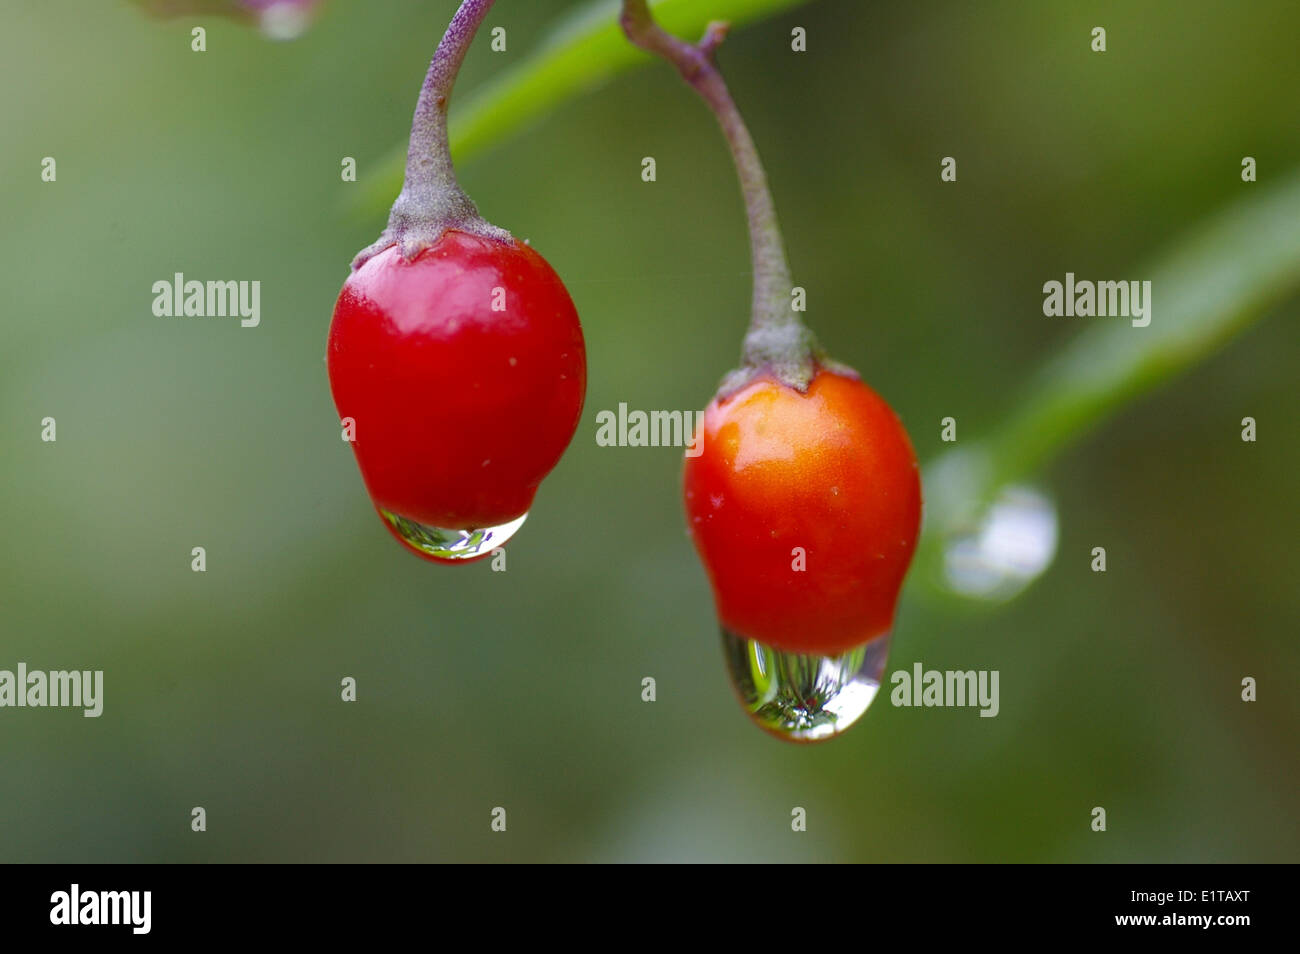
777, 340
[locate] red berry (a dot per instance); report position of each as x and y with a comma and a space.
830, 471
465, 371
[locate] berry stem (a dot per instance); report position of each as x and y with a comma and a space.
431, 200
777, 341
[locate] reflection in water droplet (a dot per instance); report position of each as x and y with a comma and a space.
804, 698
1012, 545
452, 544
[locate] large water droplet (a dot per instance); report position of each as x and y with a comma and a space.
804, 698
1011, 545
451, 544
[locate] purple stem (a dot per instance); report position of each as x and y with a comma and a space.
431, 200
777, 338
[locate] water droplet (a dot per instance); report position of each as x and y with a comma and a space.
449, 544
1010, 546
799, 697
285, 20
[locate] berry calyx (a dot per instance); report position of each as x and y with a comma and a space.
454, 350
804, 507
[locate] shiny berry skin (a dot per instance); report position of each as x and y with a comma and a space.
461, 408
831, 471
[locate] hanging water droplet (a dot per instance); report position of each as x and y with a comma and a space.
450, 544
1010, 546
800, 697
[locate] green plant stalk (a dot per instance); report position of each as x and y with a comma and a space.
1205, 289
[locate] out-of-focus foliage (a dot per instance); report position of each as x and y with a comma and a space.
1212, 284
521, 689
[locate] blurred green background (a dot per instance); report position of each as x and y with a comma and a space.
522, 689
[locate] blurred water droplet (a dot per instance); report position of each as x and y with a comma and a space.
451, 544
284, 19
799, 697
1011, 545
